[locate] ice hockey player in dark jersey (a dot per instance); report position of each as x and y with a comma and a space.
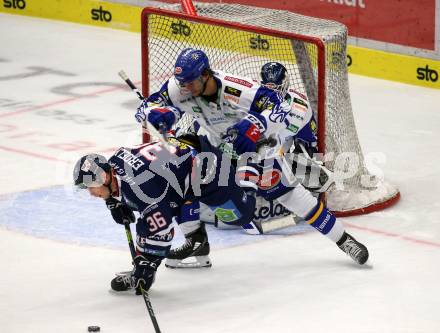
156, 180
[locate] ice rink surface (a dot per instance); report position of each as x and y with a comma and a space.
60, 97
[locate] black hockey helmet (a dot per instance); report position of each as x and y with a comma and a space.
274, 76
89, 169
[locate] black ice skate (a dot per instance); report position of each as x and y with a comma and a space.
122, 282
193, 253
357, 251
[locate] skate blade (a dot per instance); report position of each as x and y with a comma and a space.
127, 293
191, 262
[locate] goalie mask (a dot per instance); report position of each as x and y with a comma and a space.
274, 76
90, 171
190, 65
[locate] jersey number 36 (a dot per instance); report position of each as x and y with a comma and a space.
156, 221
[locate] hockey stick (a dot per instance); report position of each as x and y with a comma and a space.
143, 291
146, 126
320, 165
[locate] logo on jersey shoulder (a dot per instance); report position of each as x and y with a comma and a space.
300, 102
304, 97
264, 103
239, 81
299, 106
232, 91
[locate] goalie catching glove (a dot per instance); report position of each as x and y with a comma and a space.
121, 213
158, 116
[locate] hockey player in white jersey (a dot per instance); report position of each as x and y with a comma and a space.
239, 111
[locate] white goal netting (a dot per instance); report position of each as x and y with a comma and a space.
240, 39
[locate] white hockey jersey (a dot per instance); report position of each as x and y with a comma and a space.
236, 97
302, 123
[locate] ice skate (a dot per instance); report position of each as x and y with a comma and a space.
357, 251
194, 253
122, 281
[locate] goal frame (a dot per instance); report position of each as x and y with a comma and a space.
190, 14
243, 27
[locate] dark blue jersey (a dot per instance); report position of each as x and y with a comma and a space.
157, 182
153, 181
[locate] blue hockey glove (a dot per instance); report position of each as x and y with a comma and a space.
121, 213
158, 115
145, 267
244, 135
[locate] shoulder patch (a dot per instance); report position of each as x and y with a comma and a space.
300, 102
232, 91
239, 81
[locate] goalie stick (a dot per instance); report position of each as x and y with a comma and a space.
143, 291
330, 181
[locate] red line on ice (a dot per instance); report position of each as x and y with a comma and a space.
63, 101
29, 153
392, 234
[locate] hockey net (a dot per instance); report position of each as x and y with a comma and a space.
239, 39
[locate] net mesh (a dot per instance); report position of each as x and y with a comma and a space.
243, 51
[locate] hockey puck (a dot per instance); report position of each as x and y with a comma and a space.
94, 329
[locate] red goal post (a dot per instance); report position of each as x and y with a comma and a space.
240, 39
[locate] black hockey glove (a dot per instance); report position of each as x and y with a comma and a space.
145, 267
121, 213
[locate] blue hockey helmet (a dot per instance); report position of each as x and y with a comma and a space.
274, 76
89, 171
190, 65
